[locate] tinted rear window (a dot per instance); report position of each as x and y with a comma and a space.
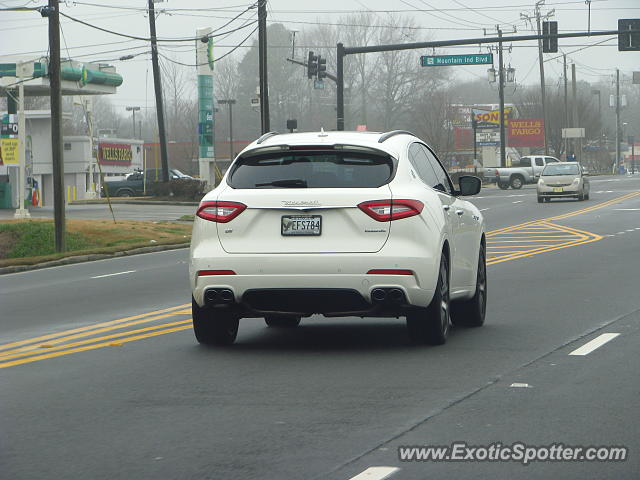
312, 170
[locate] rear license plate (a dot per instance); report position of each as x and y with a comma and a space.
293, 225
558, 189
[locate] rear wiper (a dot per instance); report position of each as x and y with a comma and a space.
293, 183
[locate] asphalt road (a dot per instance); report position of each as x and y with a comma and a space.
101, 377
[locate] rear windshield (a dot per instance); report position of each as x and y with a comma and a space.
555, 169
312, 170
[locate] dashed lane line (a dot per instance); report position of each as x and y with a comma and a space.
597, 342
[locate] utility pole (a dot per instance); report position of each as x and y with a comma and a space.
53, 12
566, 104
574, 119
617, 162
262, 55
503, 146
542, 83
157, 83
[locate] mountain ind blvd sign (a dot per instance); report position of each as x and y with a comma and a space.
453, 60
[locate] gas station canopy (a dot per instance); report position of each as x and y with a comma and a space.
77, 78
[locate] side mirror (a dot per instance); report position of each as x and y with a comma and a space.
469, 185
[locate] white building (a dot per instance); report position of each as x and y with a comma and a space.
115, 156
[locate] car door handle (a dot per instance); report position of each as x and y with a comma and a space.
459, 212
446, 208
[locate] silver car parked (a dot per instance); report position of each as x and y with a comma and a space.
561, 180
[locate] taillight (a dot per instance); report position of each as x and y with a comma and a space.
206, 273
220, 212
393, 271
387, 210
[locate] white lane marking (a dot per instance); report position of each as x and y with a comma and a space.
518, 201
520, 385
376, 473
627, 209
604, 191
630, 230
485, 209
597, 342
620, 233
113, 274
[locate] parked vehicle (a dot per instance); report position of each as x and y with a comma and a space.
133, 184
526, 170
561, 180
341, 224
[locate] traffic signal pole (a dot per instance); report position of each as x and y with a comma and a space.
340, 84
342, 51
503, 140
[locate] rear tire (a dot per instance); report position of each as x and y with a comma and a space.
124, 193
213, 327
471, 313
431, 325
540, 199
517, 182
282, 321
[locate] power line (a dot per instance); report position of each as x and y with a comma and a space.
147, 39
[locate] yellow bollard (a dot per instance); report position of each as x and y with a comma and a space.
68, 195
75, 193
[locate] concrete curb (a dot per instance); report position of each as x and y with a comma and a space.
90, 258
132, 202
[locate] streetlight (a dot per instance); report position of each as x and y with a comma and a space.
134, 110
229, 102
597, 92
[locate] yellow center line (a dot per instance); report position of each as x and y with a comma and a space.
89, 327
38, 345
566, 215
91, 347
97, 339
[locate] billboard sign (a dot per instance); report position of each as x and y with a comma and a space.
491, 119
526, 132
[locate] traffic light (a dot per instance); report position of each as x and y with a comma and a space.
550, 45
322, 67
312, 65
629, 42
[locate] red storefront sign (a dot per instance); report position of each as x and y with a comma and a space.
115, 154
526, 132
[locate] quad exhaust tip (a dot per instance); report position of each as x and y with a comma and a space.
388, 296
219, 296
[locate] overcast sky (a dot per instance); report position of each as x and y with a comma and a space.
26, 32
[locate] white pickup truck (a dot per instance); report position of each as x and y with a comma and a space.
525, 170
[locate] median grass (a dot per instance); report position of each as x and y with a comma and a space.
27, 242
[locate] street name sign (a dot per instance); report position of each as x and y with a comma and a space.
453, 60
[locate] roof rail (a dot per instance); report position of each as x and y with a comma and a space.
386, 136
265, 136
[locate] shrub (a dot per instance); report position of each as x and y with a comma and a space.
188, 189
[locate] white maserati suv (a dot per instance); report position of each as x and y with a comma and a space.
343, 224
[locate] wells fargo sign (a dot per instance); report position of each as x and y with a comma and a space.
115, 154
491, 119
526, 132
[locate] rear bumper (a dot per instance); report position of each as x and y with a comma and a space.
570, 191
